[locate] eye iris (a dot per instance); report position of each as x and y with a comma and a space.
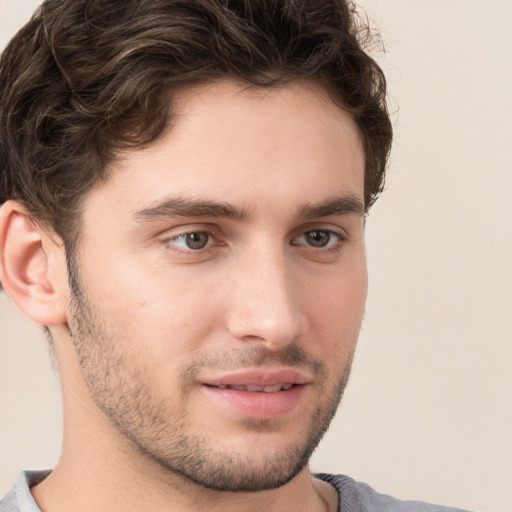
318, 238
196, 240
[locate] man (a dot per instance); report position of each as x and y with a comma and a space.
184, 191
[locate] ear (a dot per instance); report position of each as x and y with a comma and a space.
32, 266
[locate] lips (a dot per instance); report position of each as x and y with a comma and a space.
259, 389
261, 378
258, 394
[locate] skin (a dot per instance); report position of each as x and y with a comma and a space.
149, 319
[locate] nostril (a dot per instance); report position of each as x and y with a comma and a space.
252, 337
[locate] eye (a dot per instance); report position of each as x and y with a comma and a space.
319, 238
192, 241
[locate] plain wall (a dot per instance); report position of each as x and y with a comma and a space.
428, 412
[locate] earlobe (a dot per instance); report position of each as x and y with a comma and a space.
28, 257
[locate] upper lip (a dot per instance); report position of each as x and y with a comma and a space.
259, 377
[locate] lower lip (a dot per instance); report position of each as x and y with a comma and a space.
258, 405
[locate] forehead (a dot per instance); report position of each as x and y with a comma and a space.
232, 142
235, 116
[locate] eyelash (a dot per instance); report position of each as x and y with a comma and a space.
183, 236
336, 246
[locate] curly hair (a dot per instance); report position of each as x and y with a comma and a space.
86, 79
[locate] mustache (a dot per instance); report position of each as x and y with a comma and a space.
290, 355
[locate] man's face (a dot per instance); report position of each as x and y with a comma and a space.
220, 284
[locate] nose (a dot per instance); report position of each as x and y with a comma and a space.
266, 303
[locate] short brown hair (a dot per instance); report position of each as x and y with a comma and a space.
84, 79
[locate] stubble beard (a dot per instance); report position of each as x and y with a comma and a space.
122, 390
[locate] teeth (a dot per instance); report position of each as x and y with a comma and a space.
258, 389
253, 388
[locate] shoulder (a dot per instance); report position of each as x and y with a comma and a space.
8, 503
360, 497
19, 498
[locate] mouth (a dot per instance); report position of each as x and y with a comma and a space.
258, 394
257, 389
266, 380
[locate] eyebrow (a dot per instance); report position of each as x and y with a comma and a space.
340, 205
181, 207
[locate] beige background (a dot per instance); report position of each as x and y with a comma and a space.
428, 414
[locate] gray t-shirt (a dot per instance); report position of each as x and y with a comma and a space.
360, 497
354, 496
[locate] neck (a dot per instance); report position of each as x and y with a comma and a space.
101, 469
96, 485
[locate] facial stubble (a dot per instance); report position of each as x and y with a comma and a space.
120, 385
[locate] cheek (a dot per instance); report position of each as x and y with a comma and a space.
336, 310
166, 315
